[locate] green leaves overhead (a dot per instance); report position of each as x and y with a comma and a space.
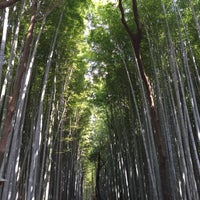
94, 126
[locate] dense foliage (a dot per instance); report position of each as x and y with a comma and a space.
99, 99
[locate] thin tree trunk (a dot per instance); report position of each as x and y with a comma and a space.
3, 41
5, 89
136, 40
17, 84
195, 18
48, 166
38, 132
10, 188
98, 193
44, 154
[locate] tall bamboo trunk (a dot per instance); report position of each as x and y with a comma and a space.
136, 41
5, 89
98, 193
36, 146
17, 84
3, 41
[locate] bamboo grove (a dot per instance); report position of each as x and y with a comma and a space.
99, 100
